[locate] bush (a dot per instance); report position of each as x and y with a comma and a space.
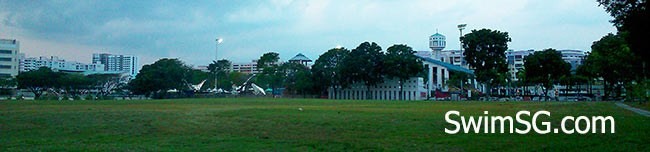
48, 97
88, 97
76, 97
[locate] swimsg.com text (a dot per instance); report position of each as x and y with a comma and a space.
489, 124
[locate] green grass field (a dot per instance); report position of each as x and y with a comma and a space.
250, 124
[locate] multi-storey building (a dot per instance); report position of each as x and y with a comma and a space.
573, 57
9, 58
516, 59
112, 62
250, 67
57, 64
454, 57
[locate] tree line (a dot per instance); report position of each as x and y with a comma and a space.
44, 81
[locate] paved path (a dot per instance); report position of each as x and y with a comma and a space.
637, 110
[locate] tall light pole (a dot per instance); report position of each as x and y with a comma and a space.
216, 61
461, 27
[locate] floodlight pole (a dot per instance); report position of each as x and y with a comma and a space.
216, 63
461, 27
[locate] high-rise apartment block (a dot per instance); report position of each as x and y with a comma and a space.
113, 62
9, 57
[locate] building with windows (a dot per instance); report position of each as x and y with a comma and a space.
574, 57
9, 57
515, 60
117, 63
437, 73
454, 57
57, 64
245, 67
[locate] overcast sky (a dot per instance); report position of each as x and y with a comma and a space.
73, 30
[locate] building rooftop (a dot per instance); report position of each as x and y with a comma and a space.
437, 35
300, 57
451, 67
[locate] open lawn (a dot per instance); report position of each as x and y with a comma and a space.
256, 124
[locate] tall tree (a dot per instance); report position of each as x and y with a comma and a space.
402, 64
364, 65
631, 20
218, 69
485, 51
327, 69
163, 75
546, 68
614, 62
268, 59
277, 76
293, 77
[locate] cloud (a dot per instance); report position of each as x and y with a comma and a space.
187, 30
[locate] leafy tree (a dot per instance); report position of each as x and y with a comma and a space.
631, 20
73, 84
7, 83
587, 70
268, 59
327, 69
283, 75
163, 75
485, 51
401, 63
614, 62
295, 78
236, 78
305, 83
546, 68
105, 83
217, 68
37, 81
364, 65
456, 78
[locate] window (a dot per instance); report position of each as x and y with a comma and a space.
5, 59
5, 51
5, 66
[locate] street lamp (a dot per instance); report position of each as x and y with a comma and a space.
216, 59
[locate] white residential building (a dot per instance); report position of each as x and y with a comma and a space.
515, 60
57, 64
9, 57
117, 63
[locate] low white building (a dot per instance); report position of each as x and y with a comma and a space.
414, 89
